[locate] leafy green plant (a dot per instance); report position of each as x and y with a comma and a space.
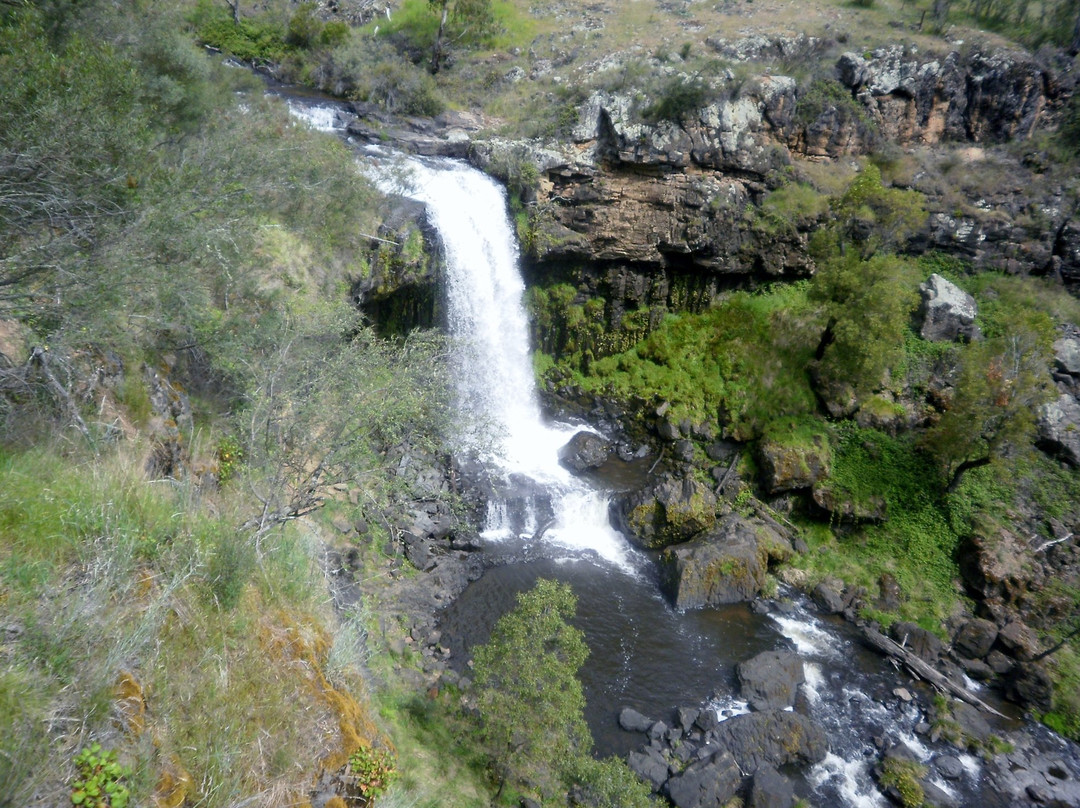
99, 779
373, 769
230, 456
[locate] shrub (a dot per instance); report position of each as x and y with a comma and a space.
374, 770
679, 97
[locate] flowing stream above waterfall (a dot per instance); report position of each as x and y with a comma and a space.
544, 522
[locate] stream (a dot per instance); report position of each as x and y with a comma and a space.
543, 522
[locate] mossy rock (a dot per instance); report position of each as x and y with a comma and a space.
794, 456
668, 512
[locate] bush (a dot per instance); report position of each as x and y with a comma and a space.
373, 770
679, 97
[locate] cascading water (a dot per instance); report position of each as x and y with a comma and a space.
644, 654
496, 392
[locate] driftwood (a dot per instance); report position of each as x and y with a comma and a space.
919, 668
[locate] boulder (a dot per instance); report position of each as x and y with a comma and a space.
828, 599
776, 738
924, 644
1067, 355
975, 638
846, 508
584, 451
1018, 640
1030, 685
1059, 429
726, 565
708, 783
770, 680
650, 765
948, 312
633, 721
792, 464
770, 789
669, 511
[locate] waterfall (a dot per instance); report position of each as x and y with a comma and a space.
496, 392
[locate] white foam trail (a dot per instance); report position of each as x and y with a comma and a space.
324, 117
814, 682
850, 778
808, 637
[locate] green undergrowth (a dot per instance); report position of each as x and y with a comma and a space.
133, 613
917, 542
740, 364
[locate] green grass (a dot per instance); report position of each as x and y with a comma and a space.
741, 363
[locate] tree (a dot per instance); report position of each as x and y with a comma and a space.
473, 18
530, 701
1001, 384
867, 305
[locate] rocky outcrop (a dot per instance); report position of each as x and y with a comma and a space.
706, 762
726, 565
947, 311
1059, 428
787, 465
981, 96
667, 512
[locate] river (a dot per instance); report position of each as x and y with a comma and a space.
542, 521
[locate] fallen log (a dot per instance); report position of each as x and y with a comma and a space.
919, 668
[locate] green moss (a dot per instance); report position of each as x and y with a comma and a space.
904, 776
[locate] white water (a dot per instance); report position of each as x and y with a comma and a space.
496, 392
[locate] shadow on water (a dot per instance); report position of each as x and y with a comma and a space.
643, 654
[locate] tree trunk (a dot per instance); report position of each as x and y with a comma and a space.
437, 54
966, 466
235, 6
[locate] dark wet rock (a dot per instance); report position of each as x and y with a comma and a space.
971, 721
948, 312
770, 680
650, 765
1059, 429
584, 451
975, 638
999, 663
726, 565
708, 783
777, 738
1030, 685
937, 796
686, 716
924, 644
633, 721
770, 789
949, 767
669, 511
828, 599
977, 669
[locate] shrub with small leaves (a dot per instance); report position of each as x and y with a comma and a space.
99, 779
374, 770
230, 454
